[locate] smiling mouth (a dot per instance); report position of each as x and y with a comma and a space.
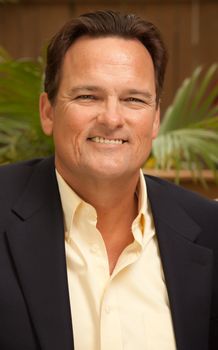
98, 139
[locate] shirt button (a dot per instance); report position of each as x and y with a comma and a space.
94, 248
69, 240
107, 309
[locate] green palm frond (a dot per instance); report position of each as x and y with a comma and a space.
18, 141
20, 86
20, 131
193, 102
188, 137
186, 143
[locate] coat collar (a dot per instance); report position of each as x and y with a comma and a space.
36, 242
187, 266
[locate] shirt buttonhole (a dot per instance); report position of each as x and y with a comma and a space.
69, 240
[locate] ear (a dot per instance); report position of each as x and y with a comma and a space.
46, 114
156, 122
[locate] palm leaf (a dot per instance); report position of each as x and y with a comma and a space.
176, 114
191, 149
20, 86
202, 91
188, 137
193, 101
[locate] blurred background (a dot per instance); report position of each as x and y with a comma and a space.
188, 139
189, 28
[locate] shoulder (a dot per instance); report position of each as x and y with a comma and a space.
175, 191
14, 177
15, 168
194, 204
173, 204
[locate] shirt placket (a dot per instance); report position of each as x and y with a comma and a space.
110, 327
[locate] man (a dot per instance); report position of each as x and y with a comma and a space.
92, 255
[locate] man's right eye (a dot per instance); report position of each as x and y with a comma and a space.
86, 97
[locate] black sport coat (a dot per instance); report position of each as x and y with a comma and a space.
34, 300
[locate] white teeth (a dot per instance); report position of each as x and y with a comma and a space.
103, 140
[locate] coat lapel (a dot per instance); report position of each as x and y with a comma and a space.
187, 268
36, 243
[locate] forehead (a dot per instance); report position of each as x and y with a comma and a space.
111, 56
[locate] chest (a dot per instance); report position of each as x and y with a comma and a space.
135, 290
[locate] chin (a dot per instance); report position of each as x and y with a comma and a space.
110, 173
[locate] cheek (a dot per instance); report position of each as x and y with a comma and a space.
67, 125
70, 136
145, 131
149, 129
144, 136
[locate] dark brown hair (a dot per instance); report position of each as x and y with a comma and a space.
103, 24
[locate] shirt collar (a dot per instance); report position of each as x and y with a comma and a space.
138, 225
71, 201
141, 192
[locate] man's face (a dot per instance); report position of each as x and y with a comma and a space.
105, 116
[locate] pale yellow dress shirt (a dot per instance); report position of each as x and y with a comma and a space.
128, 310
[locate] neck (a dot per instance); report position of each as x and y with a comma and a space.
116, 205
104, 194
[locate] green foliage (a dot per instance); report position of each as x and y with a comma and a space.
20, 131
188, 137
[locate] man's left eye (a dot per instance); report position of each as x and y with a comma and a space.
134, 99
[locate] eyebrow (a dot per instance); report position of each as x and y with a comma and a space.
92, 88
85, 87
144, 93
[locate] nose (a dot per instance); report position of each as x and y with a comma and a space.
111, 115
